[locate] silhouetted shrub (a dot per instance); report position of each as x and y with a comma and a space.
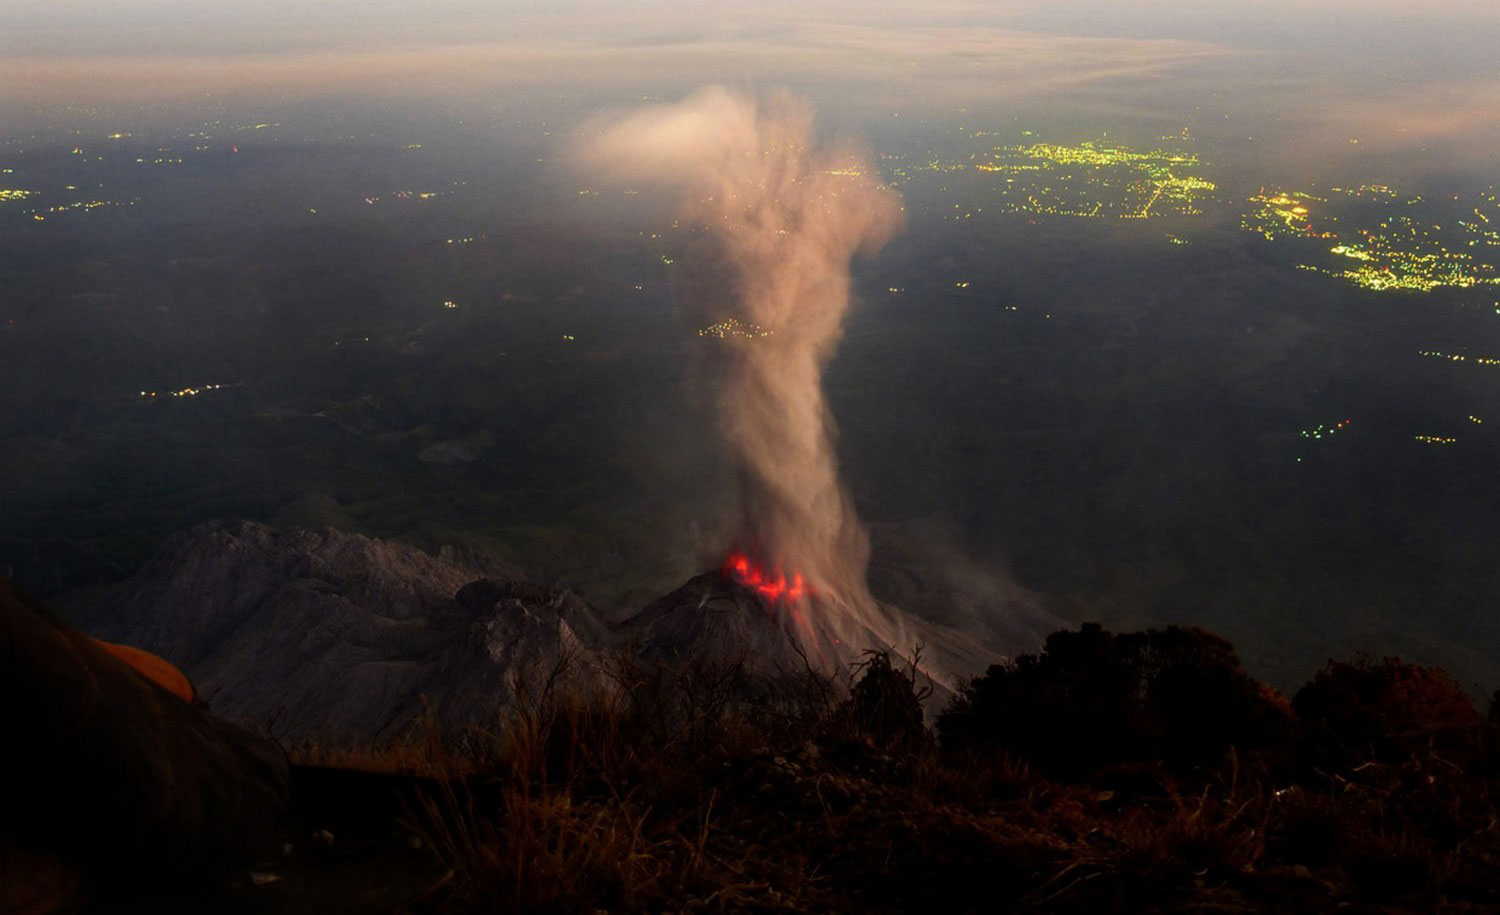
1380, 707
1092, 699
886, 703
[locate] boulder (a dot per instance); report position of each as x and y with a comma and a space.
113, 774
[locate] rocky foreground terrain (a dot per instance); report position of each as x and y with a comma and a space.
1140, 771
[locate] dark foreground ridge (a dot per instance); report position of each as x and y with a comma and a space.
108, 774
1108, 772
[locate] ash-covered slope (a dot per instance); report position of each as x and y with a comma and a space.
331, 637
714, 619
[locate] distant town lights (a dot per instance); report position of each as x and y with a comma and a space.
189, 392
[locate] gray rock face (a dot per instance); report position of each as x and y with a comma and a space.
332, 637
713, 620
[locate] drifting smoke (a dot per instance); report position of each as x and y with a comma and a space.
789, 216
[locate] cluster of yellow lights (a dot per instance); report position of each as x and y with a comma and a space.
1092, 179
1005, 167
1103, 180
1394, 251
734, 327
932, 165
1282, 214
188, 392
1379, 190
84, 205
14, 193
1459, 357
1323, 429
1475, 420
1383, 279
461, 241
373, 199
1435, 439
1089, 153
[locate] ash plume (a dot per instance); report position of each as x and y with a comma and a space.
789, 214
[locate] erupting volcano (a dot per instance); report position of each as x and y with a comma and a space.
774, 588
788, 214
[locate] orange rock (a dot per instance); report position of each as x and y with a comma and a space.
106, 777
152, 668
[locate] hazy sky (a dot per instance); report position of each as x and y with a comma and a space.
1454, 35
1405, 74
72, 27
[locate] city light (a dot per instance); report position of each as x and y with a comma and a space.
734, 327
1091, 180
1322, 430
1397, 241
187, 392
1459, 357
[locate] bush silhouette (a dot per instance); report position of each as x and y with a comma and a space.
1092, 699
886, 703
1385, 706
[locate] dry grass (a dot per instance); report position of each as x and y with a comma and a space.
408, 756
602, 802
684, 789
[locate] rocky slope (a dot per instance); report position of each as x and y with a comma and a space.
711, 619
715, 621
333, 637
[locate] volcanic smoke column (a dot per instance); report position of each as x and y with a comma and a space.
789, 215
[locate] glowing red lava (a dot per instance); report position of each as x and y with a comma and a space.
772, 588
